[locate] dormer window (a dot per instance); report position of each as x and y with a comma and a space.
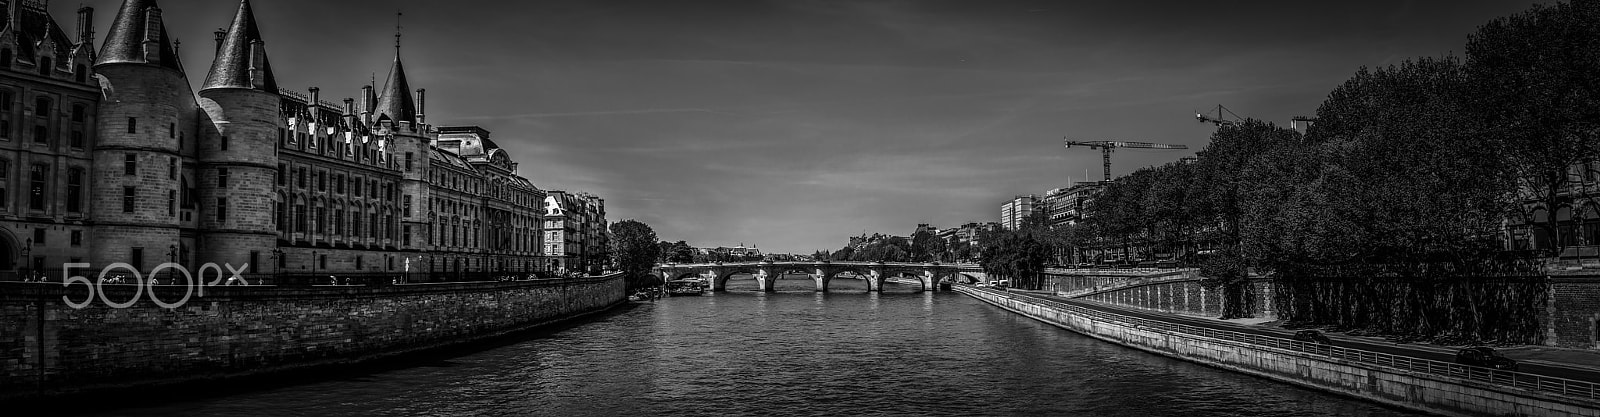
44, 66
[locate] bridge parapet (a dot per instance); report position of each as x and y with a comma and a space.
766, 273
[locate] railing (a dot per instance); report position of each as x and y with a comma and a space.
1539, 383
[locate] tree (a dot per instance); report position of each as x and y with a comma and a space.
1536, 77
635, 249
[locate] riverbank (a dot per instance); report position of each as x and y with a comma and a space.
49, 349
1421, 385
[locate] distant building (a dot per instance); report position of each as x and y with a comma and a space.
575, 231
1066, 206
1016, 211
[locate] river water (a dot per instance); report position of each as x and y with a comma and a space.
794, 352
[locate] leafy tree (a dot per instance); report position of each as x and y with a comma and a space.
635, 249
1536, 78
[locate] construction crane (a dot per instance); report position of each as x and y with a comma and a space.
1105, 148
1221, 117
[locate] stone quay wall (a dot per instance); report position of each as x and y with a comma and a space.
48, 348
1177, 292
1417, 391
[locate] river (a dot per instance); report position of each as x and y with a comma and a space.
794, 352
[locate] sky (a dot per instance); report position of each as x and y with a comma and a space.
792, 125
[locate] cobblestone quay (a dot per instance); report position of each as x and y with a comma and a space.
48, 347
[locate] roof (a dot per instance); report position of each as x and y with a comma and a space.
395, 102
125, 42
449, 158
233, 66
34, 25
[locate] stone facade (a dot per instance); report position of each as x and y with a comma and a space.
49, 348
113, 158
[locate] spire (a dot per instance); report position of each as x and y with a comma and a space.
138, 37
396, 103
242, 57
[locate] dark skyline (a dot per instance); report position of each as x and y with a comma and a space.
792, 125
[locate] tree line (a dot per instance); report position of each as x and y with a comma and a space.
1390, 213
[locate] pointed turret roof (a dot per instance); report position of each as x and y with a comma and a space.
126, 43
395, 101
234, 66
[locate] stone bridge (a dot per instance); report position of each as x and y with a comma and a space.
930, 275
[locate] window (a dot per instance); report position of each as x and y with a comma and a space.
130, 164
322, 181
5, 128
5, 181
41, 106
78, 113
338, 184
77, 238
338, 222
406, 235
300, 177
282, 175
77, 139
172, 168
45, 65
5, 58
407, 206
282, 135
36, 191
322, 220
300, 218
254, 257
133, 124
172, 202
80, 73
358, 261
355, 183
222, 209
38, 235
136, 258
172, 130
75, 190
41, 134
223, 144
408, 161
355, 224
127, 199
278, 214
222, 178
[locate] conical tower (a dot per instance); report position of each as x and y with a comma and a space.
398, 120
147, 113
237, 150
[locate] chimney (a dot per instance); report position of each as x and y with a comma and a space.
368, 102
421, 94
86, 26
220, 34
152, 35
258, 64
316, 94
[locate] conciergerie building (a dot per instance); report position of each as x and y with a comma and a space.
110, 157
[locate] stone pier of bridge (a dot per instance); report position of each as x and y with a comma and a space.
766, 273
